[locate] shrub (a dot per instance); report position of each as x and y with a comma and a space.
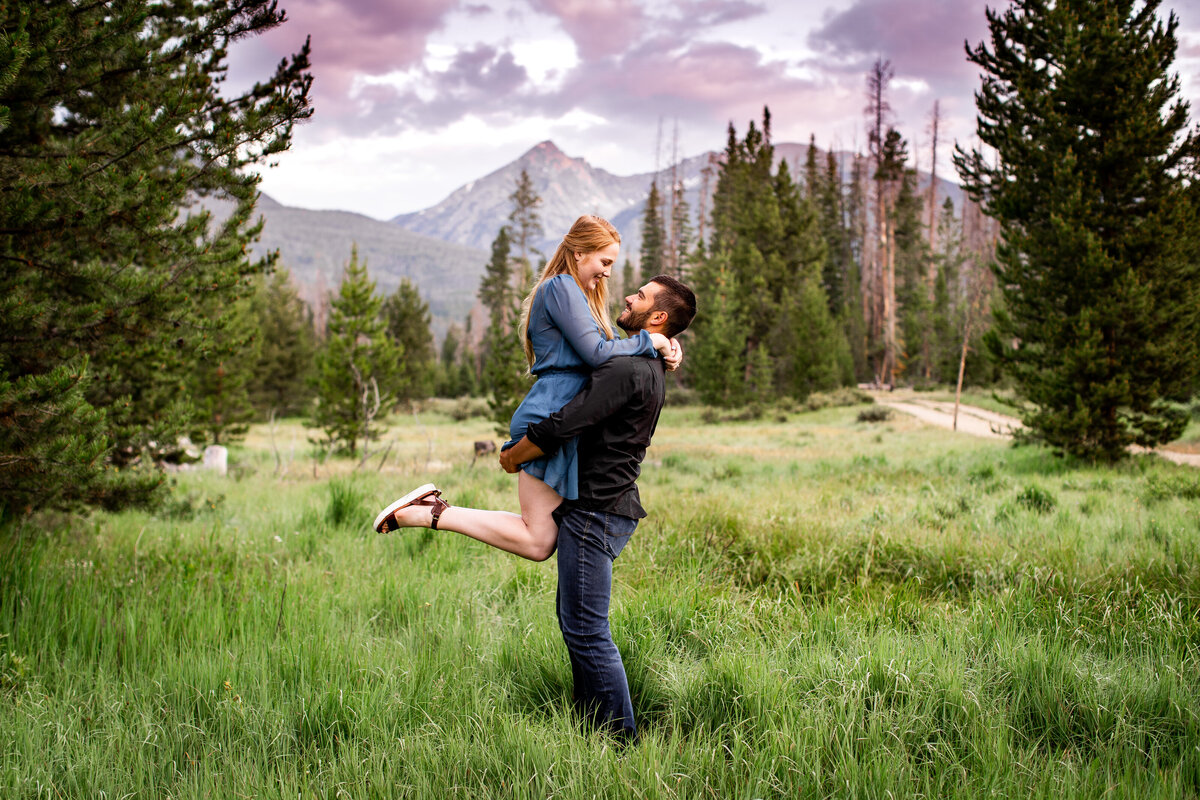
468, 408
1185, 487
1036, 499
875, 414
345, 502
844, 396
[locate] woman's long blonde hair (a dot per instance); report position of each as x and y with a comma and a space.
589, 234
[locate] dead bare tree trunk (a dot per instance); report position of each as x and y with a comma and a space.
878, 111
978, 286
931, 274
705, 178
962, 368
935, 119
889, 304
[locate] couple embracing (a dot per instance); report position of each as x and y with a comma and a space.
578, 440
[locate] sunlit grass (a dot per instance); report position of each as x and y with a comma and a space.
816, 607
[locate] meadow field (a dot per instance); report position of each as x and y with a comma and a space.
816, 607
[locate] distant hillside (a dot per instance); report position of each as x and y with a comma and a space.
315, 246
473, 213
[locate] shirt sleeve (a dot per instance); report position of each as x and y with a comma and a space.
568, 309
609, 389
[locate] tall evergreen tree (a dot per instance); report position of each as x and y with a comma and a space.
654, 236
219, 383
826, 194
505, 372
812, 172
889, 179
455, 378
281, 382
717, 359
526, 223
407, 319
1094, 189
356, 367
112, 123
681, 234
765, 265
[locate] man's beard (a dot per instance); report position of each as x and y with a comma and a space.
631, 321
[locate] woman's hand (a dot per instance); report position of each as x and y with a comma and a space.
669, 349
676, 356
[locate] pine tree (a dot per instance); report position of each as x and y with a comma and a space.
1094, 192
448, 384
827, 196
219, 383
889, 177
505, 371
281, 382
407, 319
767, 255
717, 357
681, 235
812, 173
654, 236
357, 364
111, 125
526, 222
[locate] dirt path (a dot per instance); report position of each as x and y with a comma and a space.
981, 422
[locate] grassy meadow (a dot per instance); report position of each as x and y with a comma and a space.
816, 607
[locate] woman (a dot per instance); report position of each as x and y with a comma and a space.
566, 333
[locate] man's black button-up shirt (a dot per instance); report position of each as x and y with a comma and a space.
614, 417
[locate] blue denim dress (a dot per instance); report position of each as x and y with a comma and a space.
567, 345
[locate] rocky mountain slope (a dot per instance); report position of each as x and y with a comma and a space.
444, 249
472, 214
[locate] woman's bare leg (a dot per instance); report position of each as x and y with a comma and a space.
531, 534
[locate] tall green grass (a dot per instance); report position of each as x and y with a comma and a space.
816, 607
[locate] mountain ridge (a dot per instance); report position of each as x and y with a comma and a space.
444, 249
473, 213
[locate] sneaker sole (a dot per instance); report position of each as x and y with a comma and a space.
402, 502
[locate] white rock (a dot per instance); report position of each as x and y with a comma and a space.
216, 458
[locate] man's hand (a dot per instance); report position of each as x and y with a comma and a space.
524, 450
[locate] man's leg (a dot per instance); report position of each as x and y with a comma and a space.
588, 543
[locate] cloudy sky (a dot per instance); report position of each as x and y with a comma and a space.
416, 97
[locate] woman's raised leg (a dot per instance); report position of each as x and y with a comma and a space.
531, 534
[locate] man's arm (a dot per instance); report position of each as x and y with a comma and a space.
524, 450
605, 394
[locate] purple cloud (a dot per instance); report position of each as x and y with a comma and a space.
922, 38
481, 80
703, 82
700, 14
349, 37
598, 27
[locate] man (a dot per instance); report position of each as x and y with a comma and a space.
614, 417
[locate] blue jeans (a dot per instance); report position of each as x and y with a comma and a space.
588, 543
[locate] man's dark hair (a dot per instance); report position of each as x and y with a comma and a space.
677, 300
